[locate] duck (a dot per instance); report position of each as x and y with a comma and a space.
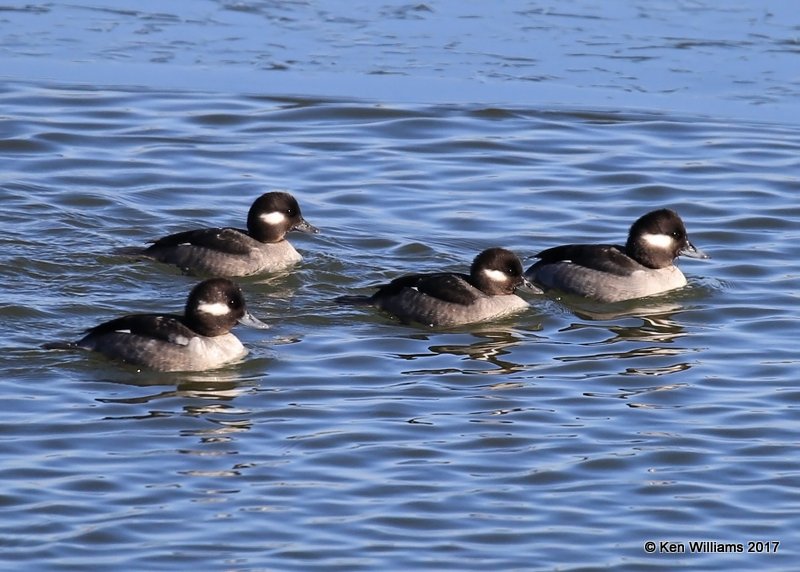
446, 299
233, 252
198, 340
644, 266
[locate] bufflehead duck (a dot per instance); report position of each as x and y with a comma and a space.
612, 273
196, 341
446, 299
232, 251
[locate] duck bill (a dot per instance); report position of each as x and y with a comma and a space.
691, 251
528, 284
304, 226
249, 320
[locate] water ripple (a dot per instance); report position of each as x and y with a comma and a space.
347, 440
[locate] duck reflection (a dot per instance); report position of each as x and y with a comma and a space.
644, 333
636, 395
641, 307
661, 329
198, 394
639, 331
491, 351
208, 426
654, 319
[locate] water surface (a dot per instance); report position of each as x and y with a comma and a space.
565, 437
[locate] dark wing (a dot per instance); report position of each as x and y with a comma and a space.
228, 240
603, 257
453, 288
165, 328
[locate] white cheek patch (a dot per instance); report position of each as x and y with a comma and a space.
215, 308
274, 217
495, 275
659, 240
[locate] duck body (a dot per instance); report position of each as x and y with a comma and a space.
644, 266
222, 252
198, 340
234, 252
446, 299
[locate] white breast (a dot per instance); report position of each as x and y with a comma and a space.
213, 352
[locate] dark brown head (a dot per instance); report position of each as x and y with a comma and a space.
214, 306
273, 215
497, 272
658, 237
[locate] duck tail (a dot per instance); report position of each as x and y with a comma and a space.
129, 251
59, 346
355, 300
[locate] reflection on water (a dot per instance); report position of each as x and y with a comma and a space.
632, 392
206, 394
490, 349
640, 307
625, 310
646, 346
656, 371
649, 351
663, 329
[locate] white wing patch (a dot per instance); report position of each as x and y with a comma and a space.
495, 275
213, 308
658, 240
275, 217
180, 340
123, 331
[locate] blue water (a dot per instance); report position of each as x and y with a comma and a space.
564, 438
